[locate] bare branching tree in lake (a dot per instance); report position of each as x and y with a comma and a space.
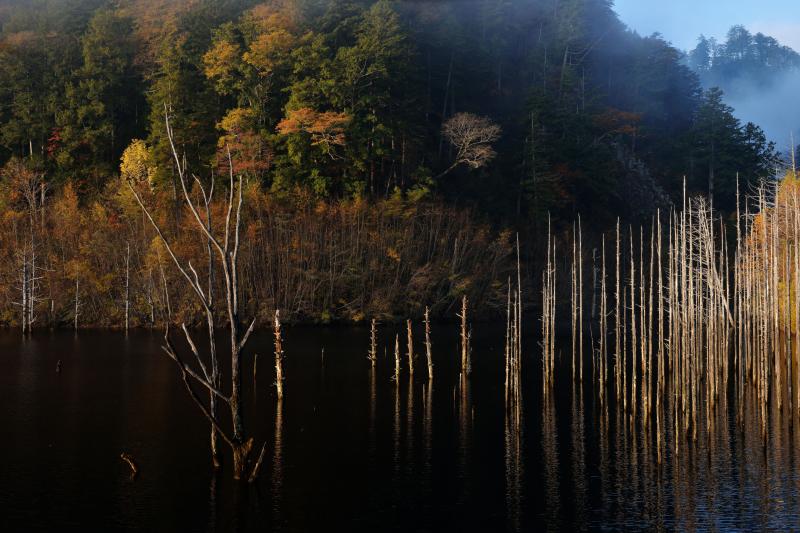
222, 244
472, 137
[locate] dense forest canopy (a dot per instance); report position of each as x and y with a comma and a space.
760, 78
742, 55
348, 99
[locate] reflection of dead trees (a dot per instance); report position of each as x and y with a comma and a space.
578, 458
277, 452
514, 465
550, 460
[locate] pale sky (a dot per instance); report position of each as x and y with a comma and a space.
682, 21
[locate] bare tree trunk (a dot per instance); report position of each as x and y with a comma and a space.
465, 362
428, 350
373, 343
410, 347
24, 288
278, 356
127, 285
396, 376
77, 302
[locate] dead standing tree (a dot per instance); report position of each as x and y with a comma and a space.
226, 247
27, 188
472, 137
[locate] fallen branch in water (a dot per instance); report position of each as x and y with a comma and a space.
129, 459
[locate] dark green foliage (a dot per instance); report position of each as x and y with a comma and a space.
102, 102
722, 145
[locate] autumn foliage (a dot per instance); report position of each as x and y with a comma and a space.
314, 260
326, 129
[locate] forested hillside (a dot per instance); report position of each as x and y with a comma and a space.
493, 112
759, 76
743, 56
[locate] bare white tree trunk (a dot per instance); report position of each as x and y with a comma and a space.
77, 301
127, 285
396, 377
428, 349
465, 359
278, 356
410, 347
373, 343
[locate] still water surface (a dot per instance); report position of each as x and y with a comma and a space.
349, 449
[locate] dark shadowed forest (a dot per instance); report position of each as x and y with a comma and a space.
389, 150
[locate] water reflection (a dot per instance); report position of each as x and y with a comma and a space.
396, 427
464, 435
409, 447
212, 497
373, 387
603, 464
578, 455
277, 458
367, 452
428, 425
514, 463
550, 461
427, 436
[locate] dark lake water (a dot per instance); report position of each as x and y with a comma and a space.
349, 449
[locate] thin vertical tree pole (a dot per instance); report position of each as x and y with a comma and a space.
660, 318
552, 313
574, 300
603, 322
796, 249
396, 376
77, 301
650, 324
410, 348
127, 284
642, 325
545, 323
509, 340
519, 302
373, 343
465, 362
580, 300
428, 349
278, 355
634, 345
